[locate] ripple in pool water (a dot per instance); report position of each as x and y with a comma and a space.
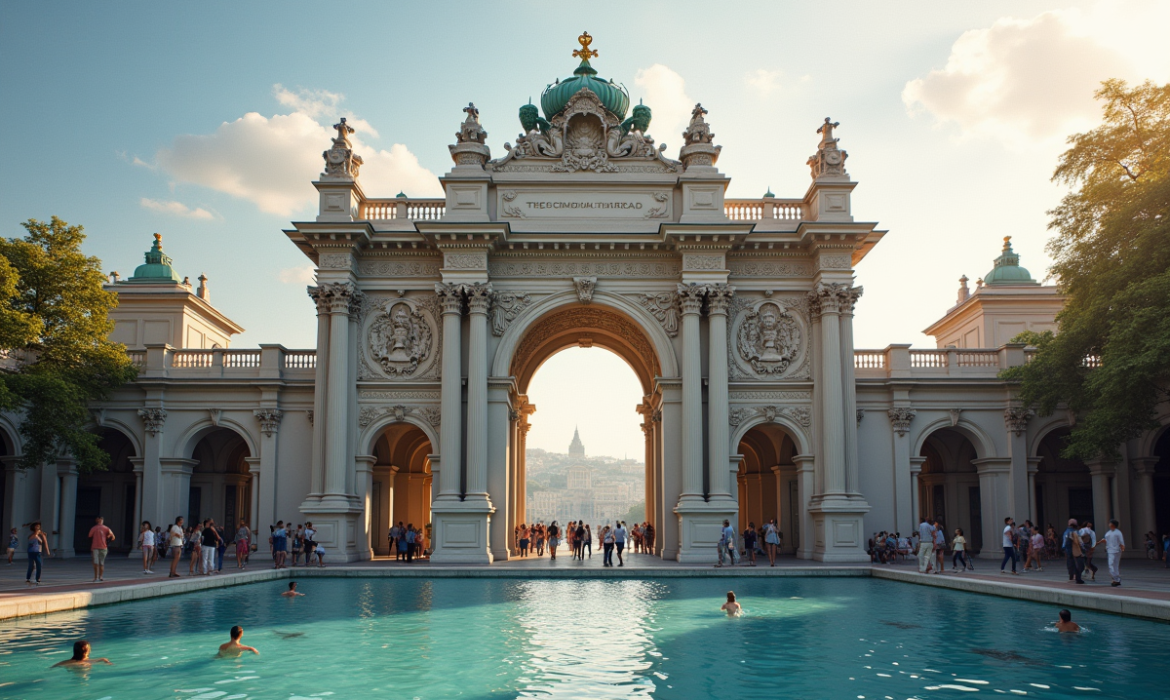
476, 638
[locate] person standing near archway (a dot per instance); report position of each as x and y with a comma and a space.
100, 537
554, 540
175, 545
37, 544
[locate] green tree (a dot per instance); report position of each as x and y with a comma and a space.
1110, 361
636, 513
54, 317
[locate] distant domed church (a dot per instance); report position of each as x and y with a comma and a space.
576, 447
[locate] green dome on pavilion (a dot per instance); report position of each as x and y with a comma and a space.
157, 267
1007, 270
556, 96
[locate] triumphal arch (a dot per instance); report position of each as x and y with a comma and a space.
736, 316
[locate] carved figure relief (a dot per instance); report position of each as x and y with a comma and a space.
400, 338
506, 306
585, 287
664, 307
769, 339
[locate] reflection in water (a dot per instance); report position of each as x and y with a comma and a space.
587, 639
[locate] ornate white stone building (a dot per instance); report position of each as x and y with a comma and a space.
433, 315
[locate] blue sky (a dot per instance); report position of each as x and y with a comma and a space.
129, 118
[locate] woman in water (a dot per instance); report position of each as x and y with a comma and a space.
37, 544
732, 608
81, 657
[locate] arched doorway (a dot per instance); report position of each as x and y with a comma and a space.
402, 483
948, 485
1162, 485
1064, 487
221, 481
587, 326
112, 494
768, 482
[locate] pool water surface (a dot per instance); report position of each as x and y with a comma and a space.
491, 638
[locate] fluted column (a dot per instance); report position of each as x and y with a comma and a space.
832, 392
337, 413
68, 473
321, 384
691, 301
718, 474
451, 412
478, 301
1144, 509
848, 298
136, 462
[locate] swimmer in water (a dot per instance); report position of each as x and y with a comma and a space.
292, 590
1065, 624
81, 657
234, 648
733, 608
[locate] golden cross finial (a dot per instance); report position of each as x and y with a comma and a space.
584, 53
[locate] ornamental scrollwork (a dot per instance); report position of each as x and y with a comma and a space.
664, 307
153, 419
1016, 419
900, 419
506, 306
400, 338
269, 419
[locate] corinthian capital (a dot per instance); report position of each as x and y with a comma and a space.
847, 297
450, 296
690, 297
479, 297
336, 297
320, 298
719, 298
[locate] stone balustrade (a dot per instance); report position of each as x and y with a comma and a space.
764, 208
266, 362
899, 361
402, 208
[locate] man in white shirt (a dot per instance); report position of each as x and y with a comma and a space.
925, 546
1114, 546
1088, 541
620, 534
175, 534
1009, 548
727, 542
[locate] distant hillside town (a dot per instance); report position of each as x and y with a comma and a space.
573, 486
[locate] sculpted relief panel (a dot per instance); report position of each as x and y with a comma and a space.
401, 339
769, 339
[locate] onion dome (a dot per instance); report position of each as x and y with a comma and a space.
556, 96
157, 267
1007, 270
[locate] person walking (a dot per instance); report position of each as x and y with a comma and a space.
749, 543
146, 544
579, 540
607, 543
1088, 543
589, 541
554, 540
210, 542
1009, 548
772, 540
523, 539
959, 547
940, 547
395, 535
925, 546
1035, 546
410, 540
1074, 557
243, 544
648, 537
620, 535
38, 544
279, 545
100, 537
175, 545
1114, 546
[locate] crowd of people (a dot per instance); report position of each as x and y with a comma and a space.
534, 539
407, 542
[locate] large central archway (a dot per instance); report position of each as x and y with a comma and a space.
610, 322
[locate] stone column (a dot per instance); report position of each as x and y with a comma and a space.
478, 301
499, 483
321, 385
718, 476
1102, 495
264, 483
1144, 511
915, 491
67, 470
670, 430
848, 299
1016, 423
691, 300
832, 393
136, 462
364, 473
648, 434
451, 412
154, 506
994, 474
905, 481
805, 484
50, 503
336, 418
255, 517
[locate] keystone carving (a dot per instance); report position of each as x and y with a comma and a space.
585, 287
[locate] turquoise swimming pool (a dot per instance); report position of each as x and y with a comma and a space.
477, 638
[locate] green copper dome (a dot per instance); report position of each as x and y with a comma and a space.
1007, 270
157, 268
556, 96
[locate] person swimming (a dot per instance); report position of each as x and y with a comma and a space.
733, 608
1065, 624
81, 657
292, 590
234, 648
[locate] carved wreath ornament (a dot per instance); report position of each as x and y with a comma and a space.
769, 339
400, 339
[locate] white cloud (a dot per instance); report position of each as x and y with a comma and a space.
665, 94
272, 161
301, 274
1035, 78
176, 209
764, 82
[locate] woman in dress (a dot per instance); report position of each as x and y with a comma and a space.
539, 538
195, 542
772, 540
243, 544
38, 545
1036, 546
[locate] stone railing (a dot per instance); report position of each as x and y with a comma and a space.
898, 361
764, 208
402, 208
267, 362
